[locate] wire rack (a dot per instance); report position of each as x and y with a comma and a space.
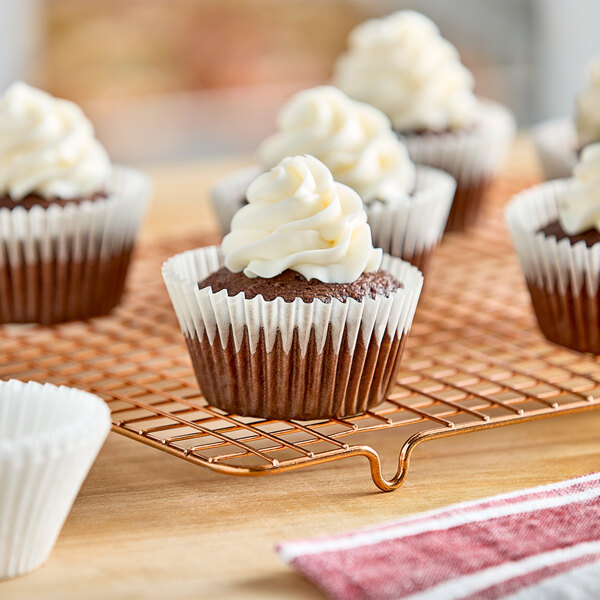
474, 360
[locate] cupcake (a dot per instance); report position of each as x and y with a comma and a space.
559, 141
68, 219
407, 207
401, 65
555, 227
296, 316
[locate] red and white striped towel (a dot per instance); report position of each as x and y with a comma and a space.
540, 543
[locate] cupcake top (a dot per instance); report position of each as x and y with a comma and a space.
587, 110
403, 66
579, 207
299, 218
47, 147
353, 139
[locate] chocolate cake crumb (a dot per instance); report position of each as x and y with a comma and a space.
31, 200
554, 229
290, 285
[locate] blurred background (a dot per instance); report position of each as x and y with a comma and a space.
169, 79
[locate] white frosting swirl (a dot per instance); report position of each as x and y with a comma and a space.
299, 218
353, 139
403, 66
587, 113
47, 147
579, 207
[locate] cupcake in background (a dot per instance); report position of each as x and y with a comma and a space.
68, 218
353, 139
401, 65
559, 141
587, 107
555, 227
407, 207
298, 316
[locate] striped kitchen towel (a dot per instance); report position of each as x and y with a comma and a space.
540, 543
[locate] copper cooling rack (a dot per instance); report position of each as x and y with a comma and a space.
474, 360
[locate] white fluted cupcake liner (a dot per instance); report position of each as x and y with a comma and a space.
229, 194
562, 277
469, 154
90, 229
549, 264
473, 156
205, 313
556, 143
411, 227
49, 438
268, 357
58, 261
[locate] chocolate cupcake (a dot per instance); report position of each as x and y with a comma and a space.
555, 227
68, 219
407, 207
297, 316
559, 141
401, 65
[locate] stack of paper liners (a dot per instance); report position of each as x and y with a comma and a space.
49, 438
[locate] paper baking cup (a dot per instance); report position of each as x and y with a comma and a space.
472, 156
70, 262
556, 143
411, 227
49, 438
278, 359
229, 194
562, 277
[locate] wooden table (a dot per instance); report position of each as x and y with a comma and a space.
148, 525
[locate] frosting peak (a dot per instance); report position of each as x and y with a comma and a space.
299, 218
353, 139
47, 147
587, 117
403, 66
579, 208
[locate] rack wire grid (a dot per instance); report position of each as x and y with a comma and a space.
474, 360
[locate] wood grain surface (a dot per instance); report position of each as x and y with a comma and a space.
147, 525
